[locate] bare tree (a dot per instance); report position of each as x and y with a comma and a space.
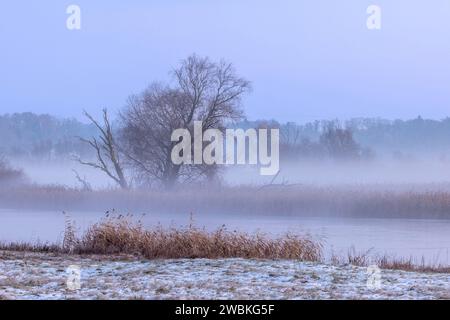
214, 91
148, 122
202, 91
106, 151
290, 135
339, 142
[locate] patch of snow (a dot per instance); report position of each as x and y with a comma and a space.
43, 276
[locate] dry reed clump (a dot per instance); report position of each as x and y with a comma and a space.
123, 235
28, 247
408, 264
365, 259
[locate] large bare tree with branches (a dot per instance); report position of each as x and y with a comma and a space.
148, 122
202, 91
106, 151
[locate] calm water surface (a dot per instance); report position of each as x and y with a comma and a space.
415, 238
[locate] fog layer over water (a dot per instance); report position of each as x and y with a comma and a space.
416, 172
406, 238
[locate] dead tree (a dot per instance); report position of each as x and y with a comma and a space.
106, 151
86, 185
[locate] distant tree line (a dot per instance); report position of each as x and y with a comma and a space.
332, 141
47, 137
42, 136
361, 138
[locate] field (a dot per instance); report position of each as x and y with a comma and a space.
44, 276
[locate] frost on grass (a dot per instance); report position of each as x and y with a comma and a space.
43, 276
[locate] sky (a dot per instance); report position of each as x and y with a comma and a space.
306, 60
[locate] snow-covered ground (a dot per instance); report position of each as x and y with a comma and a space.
45, 276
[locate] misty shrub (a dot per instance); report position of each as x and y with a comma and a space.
9, 175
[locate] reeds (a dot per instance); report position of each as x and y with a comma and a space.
350, 201
120, 234
124, 235
365, 259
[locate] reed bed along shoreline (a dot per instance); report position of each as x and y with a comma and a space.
341, 201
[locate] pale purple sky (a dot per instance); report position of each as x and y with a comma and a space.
307, 59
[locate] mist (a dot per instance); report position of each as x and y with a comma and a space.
112, 119
424, 173
389, 206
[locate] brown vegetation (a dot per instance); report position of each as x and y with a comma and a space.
365, 259
120, 235
300, 200
123, 235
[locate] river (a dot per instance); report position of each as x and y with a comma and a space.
405, 238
